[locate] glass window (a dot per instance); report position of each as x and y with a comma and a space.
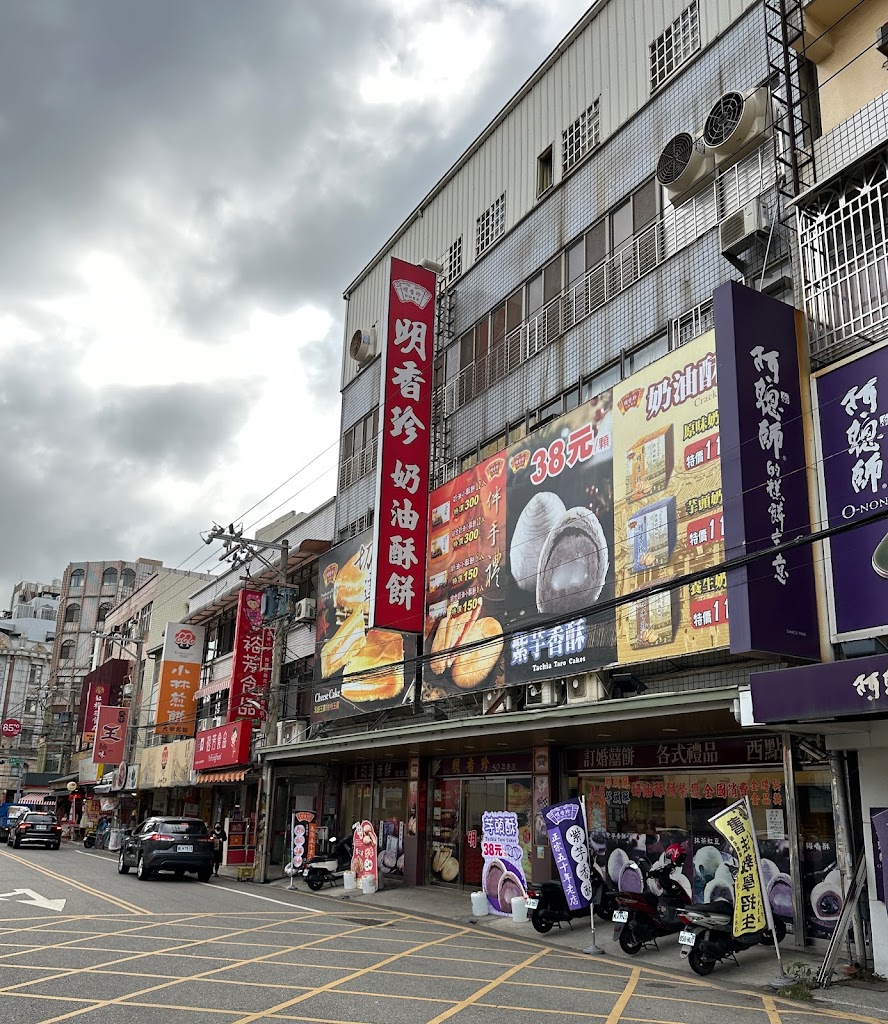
176, 828
518, 430
571, 399
77, 578
514, 310
41, 819
607, 378
550, 411
499, 325
468, 461
621, 224
72, 613
127, 579
596, 244
647, 353
644, 204
109, 578
482, 337
534, 294
467, 349
544, 171
576, 261
552, 280
66, 652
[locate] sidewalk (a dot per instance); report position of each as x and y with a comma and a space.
757, 966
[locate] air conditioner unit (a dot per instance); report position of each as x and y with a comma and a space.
217, 721
362, 347
586, 689
305, 610
544, 694
292, 732
495, 702
683, 166
736, 123
737, 231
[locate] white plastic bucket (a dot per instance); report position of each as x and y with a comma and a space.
480, 906
349, 879
367, 885
519, 908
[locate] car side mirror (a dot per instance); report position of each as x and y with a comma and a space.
127, 831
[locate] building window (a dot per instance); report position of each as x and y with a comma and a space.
102, 613
78, 576
544, 172
359, 449
676, 44
491, 225
72, 613
109, 578
580, 138
646, 354
691, 324
31, 706
145, 620
357, 526
453, 263
127, 579
66, 652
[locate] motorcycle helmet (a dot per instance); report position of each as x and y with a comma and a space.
675, 853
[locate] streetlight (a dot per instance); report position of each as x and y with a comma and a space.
72, 789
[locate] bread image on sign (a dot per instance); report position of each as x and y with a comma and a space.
471, 667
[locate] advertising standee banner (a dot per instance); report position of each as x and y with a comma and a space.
502, 877
735, 825
852, 414
566, 831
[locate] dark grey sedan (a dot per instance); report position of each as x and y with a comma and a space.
179, 845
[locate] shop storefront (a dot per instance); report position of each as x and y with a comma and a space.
462, 789
166, 779
379, 793
298, 788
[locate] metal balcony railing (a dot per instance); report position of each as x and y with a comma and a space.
843, 240
358, 465
676, 228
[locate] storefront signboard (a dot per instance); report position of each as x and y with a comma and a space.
484, 764
382, 770
405, 431
304, 837
735, 825
853, 688
168, 765
251, 660
132, 777
100, 687
364, 849
502, 877
851, 402
357, 669
183, 646
110, 735
566, 832
223, 746
764, 474
678, 754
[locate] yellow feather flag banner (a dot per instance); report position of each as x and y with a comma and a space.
735, 824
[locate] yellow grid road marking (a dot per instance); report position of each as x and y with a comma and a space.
625, 996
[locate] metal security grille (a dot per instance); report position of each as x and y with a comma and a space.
691, 324
580, 137
671, 49
453, 263
358, 465
490, 226
843, 239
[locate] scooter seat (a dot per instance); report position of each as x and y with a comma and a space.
718, 907
552, 888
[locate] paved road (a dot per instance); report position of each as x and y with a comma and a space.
175, 951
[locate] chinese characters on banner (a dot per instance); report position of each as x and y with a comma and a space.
179, 679
405, 446
100, 687
251, 661
502, 877
735, 825
223, 746
304, 837
566, 831
110, 735
364, 852
852, 410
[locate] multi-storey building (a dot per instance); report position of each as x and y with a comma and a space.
88, 593
621, 439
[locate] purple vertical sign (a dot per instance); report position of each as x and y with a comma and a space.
852, 413
566, 830
772, 604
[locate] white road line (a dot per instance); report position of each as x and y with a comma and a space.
268, 899
84, 854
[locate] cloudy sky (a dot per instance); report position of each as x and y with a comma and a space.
186, 187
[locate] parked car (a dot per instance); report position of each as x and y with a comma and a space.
9, 814
179, 845
35, 827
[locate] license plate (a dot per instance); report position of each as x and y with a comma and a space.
620, 916
42, 828
531, 904
687, 938
185, 849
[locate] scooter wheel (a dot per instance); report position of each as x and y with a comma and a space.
541, 926
314, 882
779, 931
628, 943
699, 964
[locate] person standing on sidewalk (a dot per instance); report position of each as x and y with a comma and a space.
219, 837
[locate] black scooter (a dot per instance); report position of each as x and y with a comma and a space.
548, 904
643, 917
328, 869
707, 936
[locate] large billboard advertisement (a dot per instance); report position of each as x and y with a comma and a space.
404, 448
357, 669
851, 400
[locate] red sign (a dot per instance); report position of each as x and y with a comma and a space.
110, 740
251, 662
364, 852
405, 444
223, 746
11, 728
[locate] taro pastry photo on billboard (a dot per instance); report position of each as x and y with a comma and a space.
464, 591
357, 669
559, 546
668, 518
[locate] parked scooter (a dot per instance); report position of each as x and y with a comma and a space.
548, 904
328, 869
89, 840
643, 917
707, 937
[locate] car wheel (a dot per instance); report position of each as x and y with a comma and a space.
122, 866
142, 871
204, 875
56, 846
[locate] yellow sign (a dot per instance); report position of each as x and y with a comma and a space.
749, 902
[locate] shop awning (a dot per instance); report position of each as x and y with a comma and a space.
63, 781
36, 799
208, 778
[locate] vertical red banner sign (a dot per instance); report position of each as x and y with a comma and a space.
110, 734
251, 661
404, 448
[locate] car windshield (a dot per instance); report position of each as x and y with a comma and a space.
42, 819
173, 828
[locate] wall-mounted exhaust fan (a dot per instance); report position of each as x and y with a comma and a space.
736, 122
683, 164
362, 347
